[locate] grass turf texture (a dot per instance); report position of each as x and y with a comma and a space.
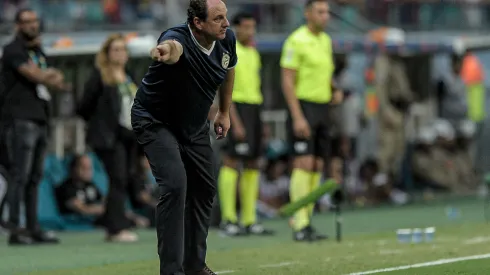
369, 243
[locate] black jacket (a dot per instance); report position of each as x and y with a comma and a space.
100, 107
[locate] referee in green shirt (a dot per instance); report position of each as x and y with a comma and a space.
307, 68
244, 143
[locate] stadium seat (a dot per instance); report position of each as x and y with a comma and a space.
48, 214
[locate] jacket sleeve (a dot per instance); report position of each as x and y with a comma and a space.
91, 93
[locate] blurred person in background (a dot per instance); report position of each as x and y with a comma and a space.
143, 191
451, 94
245, 142
473, 75
307, 69
395, 97
106, 106
79, 196
466, 131
274, 181
433, 161
25, 114
429, 174
352, 116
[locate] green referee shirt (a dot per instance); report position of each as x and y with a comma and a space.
247, 76
311, 56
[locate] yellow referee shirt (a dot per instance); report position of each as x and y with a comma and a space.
312, 57
247, 76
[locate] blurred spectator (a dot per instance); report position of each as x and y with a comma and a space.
25, 115
466, 132
78, 197
143, 193
429, 170
106, 106
440, 163
374, 187
395, 98
451, 93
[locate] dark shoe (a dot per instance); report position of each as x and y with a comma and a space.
231, 229
19, 240
308, 234
42, 237
303, 235
204, 271
315, 235
259, 230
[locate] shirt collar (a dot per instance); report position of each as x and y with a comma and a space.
204, 50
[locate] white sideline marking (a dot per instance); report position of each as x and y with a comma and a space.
277, 265
225, 272
477, 240
260, 266
438, 262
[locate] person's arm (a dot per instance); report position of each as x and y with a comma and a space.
146, 198
169, 52
19, 61
91, 92
226, 92
290, 61
288, 88
80, 207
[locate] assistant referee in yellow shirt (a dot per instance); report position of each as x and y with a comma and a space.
245, 142
307, 64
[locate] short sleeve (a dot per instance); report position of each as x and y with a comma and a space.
66, 192
290, 56
14, 57
172, 35
234, 57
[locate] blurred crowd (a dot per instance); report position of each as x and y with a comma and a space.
144, 14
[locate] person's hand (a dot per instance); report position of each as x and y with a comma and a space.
337, 97
141, 222
239, 132
64, 87
161, 53
301, 128
221, 124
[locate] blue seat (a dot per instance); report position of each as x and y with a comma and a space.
48, 214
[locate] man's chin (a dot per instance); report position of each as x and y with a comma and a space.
221, 36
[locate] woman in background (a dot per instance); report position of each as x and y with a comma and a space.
106, 106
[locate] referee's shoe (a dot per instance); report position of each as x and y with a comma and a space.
308, 234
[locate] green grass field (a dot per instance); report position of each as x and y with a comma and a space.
369, 244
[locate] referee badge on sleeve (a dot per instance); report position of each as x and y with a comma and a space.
225, 61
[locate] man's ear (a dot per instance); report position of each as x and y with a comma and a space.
198, 23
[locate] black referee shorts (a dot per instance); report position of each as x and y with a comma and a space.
318, 144
250, 148
185, 175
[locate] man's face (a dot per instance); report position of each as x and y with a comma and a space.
28, 24
216, 24
245, 31
318, 15
84, 169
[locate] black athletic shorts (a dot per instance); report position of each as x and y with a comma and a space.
251, 147
319, 141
